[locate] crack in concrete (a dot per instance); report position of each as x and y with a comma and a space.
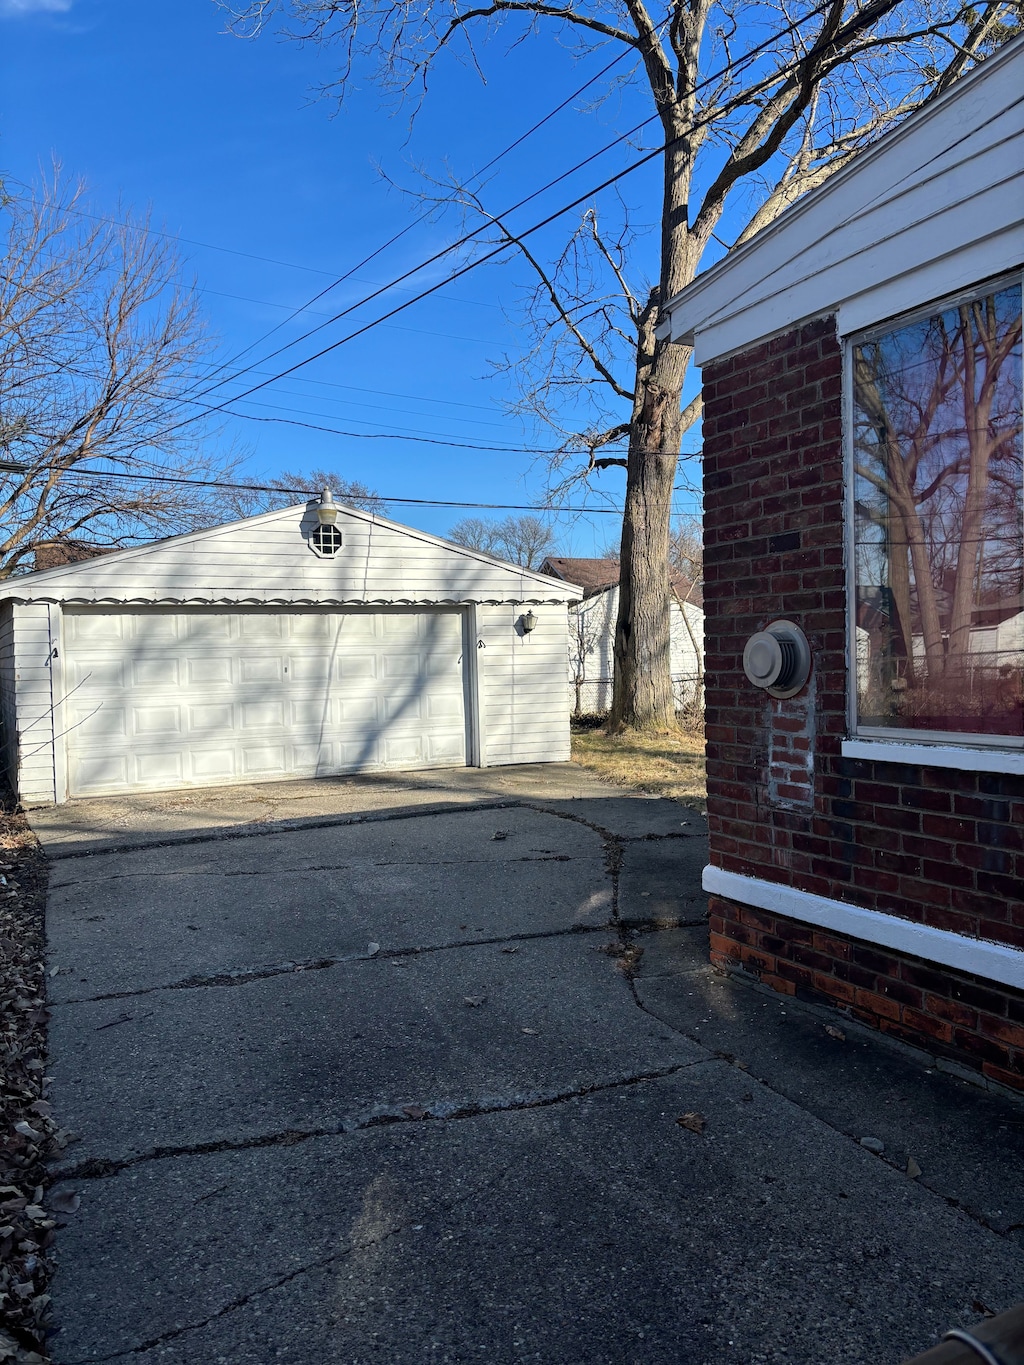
244, 975
744, 1067
100, 1168
321, 1263
329, 867
256, 829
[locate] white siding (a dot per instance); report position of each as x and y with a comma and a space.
8, 701
933, 207
267, 559
592, 637
523, 689
34, 700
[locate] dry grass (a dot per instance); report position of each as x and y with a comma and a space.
662, 765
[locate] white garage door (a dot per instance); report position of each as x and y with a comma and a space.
163, 699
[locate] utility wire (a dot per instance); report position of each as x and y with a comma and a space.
743, 98
307, 494
421, 218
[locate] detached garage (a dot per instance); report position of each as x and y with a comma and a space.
301, 643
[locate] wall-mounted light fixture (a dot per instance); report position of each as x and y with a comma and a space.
528, 622
326, 538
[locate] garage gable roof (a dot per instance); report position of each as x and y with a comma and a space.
269, 559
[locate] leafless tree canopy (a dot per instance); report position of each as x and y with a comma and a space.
289, 487
524, 540
752, 105
99, 342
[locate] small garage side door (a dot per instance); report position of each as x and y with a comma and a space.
161, 699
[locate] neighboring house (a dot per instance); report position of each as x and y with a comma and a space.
279, 646
60, 552
862, 461
592, 633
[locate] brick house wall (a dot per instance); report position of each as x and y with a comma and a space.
932, 845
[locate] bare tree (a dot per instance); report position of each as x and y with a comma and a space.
686, 548
584, 634
523, 540
99, 340
937, 456
290, 487
754, 107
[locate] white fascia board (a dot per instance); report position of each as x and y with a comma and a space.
724, 287
996, 962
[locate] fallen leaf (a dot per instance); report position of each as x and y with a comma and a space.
499, 834
54, 971
65, 1201
26, 1130
693, 1122
372, 949
513, 949
834, 1032
529, 1030
415, 1111
913, 1169
474, 1001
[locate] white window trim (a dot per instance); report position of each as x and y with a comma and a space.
980, 753
964, 758
996, 962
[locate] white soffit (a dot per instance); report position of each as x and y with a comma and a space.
934, 206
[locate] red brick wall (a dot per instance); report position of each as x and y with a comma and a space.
932, 845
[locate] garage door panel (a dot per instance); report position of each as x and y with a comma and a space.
171, 699
214, 765
158, 672
264, 759
213, 627
211, 718
95, 723
85, 628
208, 672
309, 668
98, 672
349, 711
104, 773
156, 720
264, 715
261, 670
158, 767
357, 666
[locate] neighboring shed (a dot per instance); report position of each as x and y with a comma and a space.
592, 633
278, 647
863, 489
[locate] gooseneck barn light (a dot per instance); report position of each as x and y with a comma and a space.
327, 509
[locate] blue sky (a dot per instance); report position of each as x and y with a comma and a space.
273, 192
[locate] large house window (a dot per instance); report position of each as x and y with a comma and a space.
938, 630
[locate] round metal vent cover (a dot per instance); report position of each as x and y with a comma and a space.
778, 659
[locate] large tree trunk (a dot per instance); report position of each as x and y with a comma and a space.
643, 698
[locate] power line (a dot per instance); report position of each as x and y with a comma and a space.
742, 99
308, 494
424, 215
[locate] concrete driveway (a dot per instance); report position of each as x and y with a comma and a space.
356, 1074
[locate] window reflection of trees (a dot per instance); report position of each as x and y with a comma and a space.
938, 515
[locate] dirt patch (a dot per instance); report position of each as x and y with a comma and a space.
662, 765
28, 1133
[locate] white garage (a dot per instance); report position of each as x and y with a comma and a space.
278, 647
